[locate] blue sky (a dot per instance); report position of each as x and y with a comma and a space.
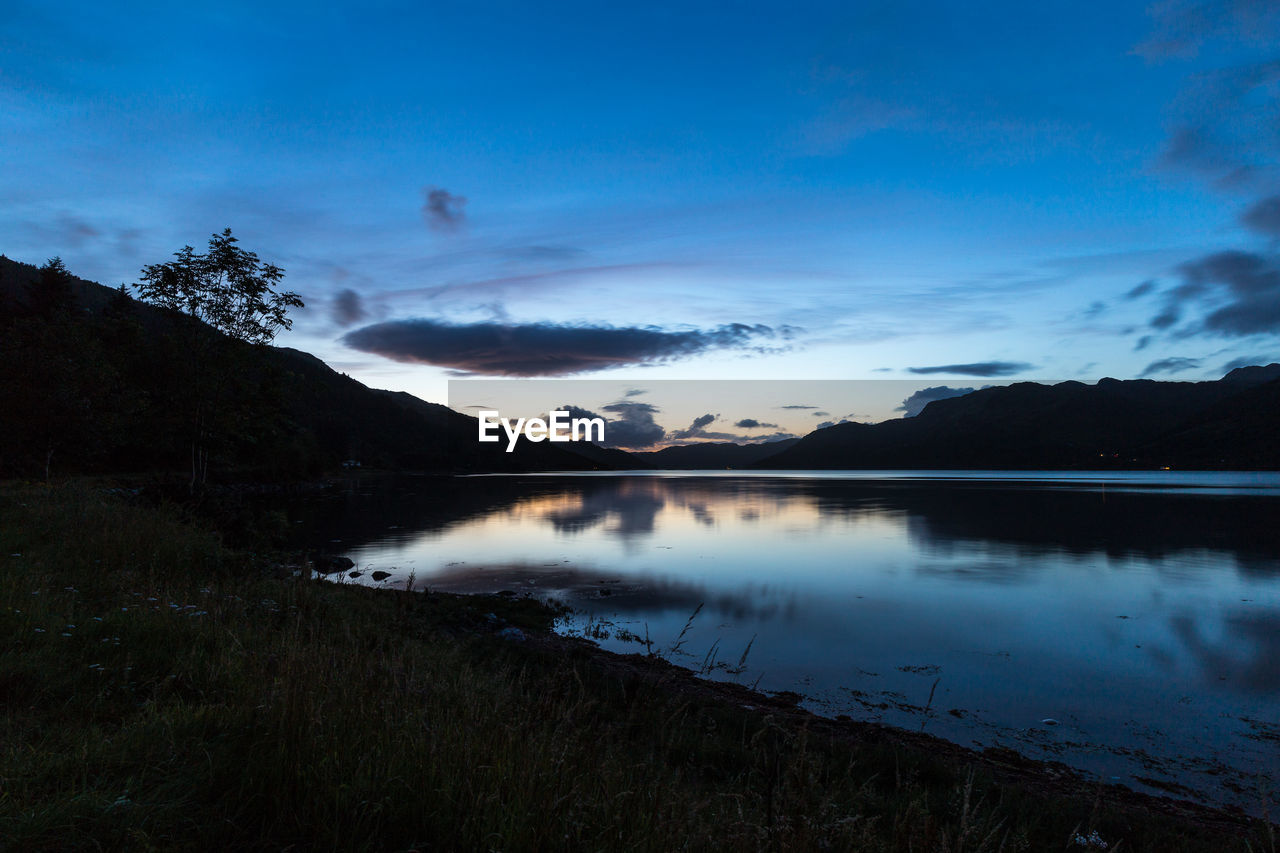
822, 191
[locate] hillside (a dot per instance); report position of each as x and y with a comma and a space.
1140, 423
94, 382
710, 455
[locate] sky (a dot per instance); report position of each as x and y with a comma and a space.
954, 193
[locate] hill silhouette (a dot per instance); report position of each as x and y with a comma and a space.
88, 379
710, 455
1226, 424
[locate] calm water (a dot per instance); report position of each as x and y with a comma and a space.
1138, 613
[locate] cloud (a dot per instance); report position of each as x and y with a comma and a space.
1264, 217
348, 308
543, 349
443, 210
915, 404
630, 425
1239, 290
797, 407
981, 368
773, 436
1095, 309
697, 429
1141, 290
1224, 131
752, 423
820, 414
1245, 361
1170, 365
1181, 27
635, 392
1143, 342
825, 424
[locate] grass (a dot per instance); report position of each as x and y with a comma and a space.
162, 692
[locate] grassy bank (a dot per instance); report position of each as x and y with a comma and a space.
163, 692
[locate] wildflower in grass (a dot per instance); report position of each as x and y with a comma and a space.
1092, 841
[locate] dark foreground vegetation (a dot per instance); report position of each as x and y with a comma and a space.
163, 692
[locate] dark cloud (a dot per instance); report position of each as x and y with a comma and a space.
981, 368
825, 424
542, 349
752, 423
443, 210
1141, 290
1264, 216
1095, 309
628, 425
1142, 343
1171, 365
797, 407
1245, 361
1181, 27
635, 392
820, 414
1239, 290
348, 308
697, 429
915, 404
1224, 130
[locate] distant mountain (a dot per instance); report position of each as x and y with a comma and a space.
1230, 423
711, 455
115, 411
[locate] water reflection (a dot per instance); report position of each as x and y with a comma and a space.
1143, 614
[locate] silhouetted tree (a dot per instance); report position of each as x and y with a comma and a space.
52, 397
232, 291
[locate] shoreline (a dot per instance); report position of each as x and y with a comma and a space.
170, 693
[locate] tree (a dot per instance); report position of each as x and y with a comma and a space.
226, 288
232, 291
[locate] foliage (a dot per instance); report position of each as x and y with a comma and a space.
233, 292
227, 288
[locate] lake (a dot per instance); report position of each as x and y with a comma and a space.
1125, 624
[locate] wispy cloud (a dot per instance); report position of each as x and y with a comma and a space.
1239, 291
1175, 364
697, 429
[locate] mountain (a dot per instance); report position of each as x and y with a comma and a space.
711, 455
92, 380
1113, 424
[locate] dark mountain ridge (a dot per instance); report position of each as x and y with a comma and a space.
1229, 423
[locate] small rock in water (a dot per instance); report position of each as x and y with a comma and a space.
1048, 721
354, 574
380, 576
327, 564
